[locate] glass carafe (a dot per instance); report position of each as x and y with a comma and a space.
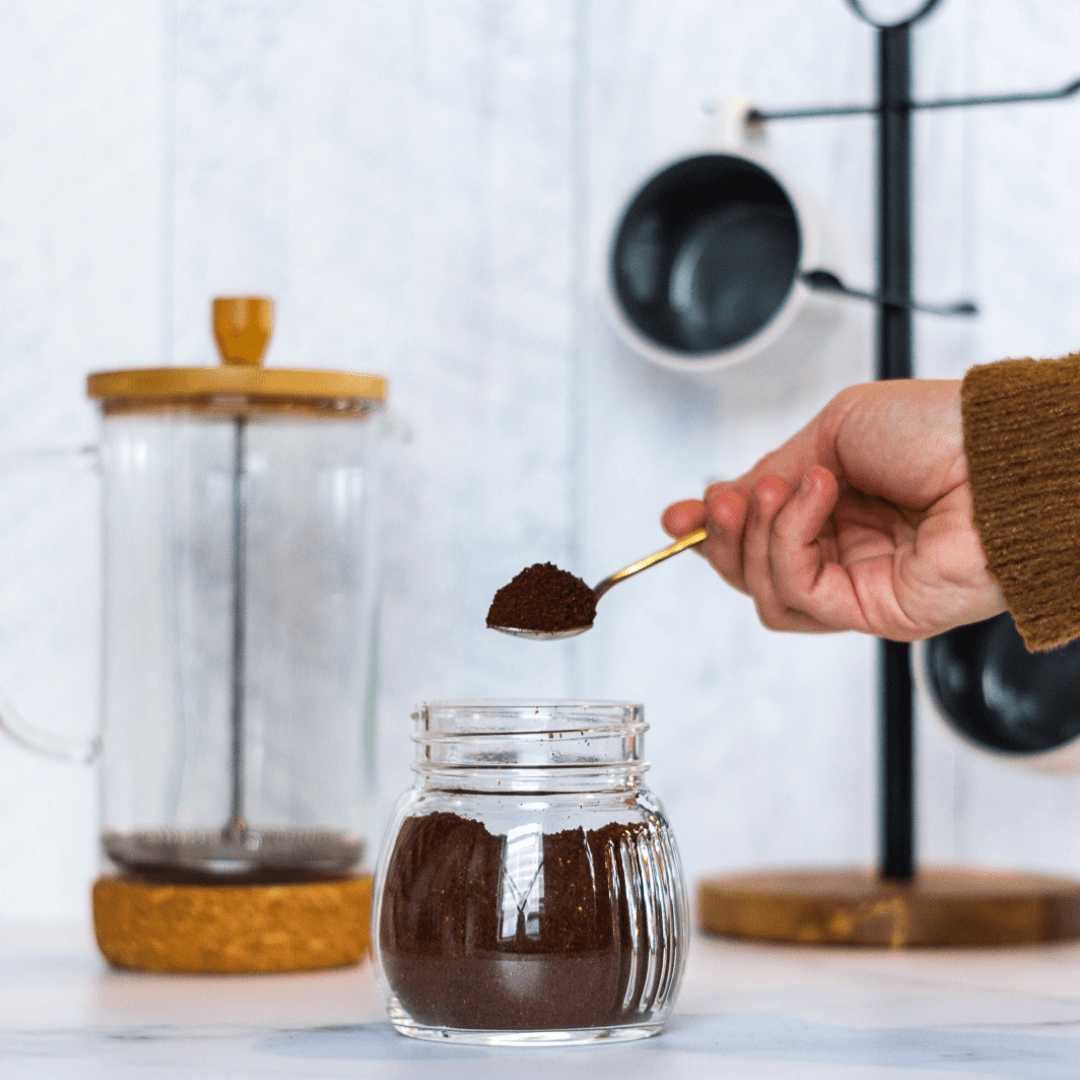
239, 598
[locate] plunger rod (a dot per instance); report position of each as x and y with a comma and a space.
894, 361
237, 826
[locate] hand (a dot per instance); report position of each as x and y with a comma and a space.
861, 521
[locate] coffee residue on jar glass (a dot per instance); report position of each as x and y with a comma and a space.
544, 599
520, 932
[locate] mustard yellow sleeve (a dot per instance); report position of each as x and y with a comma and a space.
1022, 439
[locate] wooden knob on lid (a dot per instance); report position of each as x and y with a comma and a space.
242, 327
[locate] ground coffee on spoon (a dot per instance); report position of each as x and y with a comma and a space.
544, 599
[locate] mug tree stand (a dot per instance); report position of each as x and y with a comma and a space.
897, 905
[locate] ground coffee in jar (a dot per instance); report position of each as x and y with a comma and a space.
529, 889
551, 943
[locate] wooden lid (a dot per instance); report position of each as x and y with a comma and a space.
242, 328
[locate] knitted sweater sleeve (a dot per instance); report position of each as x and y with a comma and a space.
1022, 440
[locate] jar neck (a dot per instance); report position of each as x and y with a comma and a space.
557, 746
530, 780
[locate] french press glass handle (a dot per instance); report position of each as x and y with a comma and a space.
51, 744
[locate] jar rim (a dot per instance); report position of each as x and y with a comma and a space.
521, 716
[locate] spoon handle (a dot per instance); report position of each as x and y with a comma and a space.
690, 540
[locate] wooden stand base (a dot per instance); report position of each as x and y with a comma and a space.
152, 926
856, 907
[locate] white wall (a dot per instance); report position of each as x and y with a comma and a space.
426, 188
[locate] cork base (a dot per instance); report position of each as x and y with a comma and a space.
856, 907
153, 926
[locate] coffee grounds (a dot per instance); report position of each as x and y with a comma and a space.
567, 943
543, 598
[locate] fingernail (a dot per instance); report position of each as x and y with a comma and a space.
806, 486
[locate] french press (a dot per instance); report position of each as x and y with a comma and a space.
239, 604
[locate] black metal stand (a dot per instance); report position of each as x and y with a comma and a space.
894, 361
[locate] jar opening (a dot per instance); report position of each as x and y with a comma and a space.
522, 737
463, 719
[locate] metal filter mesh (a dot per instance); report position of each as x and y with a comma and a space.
217, 854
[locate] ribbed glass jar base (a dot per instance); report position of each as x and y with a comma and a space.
405, 1025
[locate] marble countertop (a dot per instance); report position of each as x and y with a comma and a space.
753, 1011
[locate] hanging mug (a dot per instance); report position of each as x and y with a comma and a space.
713, 258
1020, 706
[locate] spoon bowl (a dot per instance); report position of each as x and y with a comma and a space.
690, 540
542, 635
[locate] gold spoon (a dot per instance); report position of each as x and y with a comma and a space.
690, 540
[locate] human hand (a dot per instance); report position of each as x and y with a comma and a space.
861, 521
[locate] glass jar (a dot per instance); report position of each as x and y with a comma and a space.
529, 889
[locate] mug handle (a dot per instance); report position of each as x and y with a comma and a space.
61, 747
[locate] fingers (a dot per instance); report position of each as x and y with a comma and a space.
803, 569
726, 513
767, 497
683, 517
726, 510
782, 556
777, 544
